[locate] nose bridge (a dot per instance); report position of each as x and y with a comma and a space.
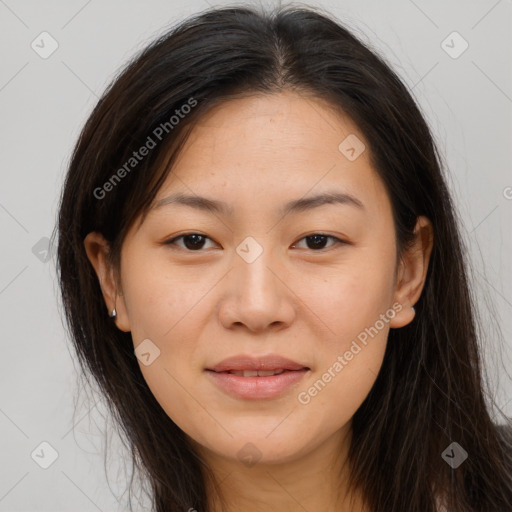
252, 267
257, 297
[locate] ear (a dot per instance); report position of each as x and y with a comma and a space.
97, 249
412, 272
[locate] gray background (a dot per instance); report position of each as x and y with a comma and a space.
44, 102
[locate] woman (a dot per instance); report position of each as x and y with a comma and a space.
260, 265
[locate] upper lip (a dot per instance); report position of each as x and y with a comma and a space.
246, 362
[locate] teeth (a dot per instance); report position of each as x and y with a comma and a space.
249, 373
266, 373
254, 373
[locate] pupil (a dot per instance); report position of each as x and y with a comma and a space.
318, 240
197, 241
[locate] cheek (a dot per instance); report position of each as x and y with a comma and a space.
351, 298
353, 308
351, 348
170, 310
159, 302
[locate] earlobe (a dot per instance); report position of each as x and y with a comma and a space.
412, 272
404, 317
97, 249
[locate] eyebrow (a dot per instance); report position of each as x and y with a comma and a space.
295, 206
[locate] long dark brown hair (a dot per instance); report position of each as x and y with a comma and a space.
431, 389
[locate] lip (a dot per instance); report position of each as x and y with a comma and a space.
246, 362
257, 388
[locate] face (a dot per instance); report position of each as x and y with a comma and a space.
257, 276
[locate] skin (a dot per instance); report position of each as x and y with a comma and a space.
308, 304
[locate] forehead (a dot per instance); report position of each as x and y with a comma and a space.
269, 122
265, 148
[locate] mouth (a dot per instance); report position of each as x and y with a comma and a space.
244, 364
256, 378
256, 385
258, 373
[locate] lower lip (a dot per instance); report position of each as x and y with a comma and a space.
257, 388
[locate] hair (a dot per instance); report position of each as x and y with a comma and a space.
430, 390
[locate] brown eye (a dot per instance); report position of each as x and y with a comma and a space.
196, 241
191, 241
318, 241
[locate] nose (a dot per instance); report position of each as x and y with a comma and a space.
257, 296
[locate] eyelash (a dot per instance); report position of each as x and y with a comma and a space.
173, 240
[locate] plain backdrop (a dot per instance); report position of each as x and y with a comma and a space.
462, 81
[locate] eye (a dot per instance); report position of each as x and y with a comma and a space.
317, 241
196, 241
191, 241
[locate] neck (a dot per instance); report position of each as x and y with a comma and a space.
317, 480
